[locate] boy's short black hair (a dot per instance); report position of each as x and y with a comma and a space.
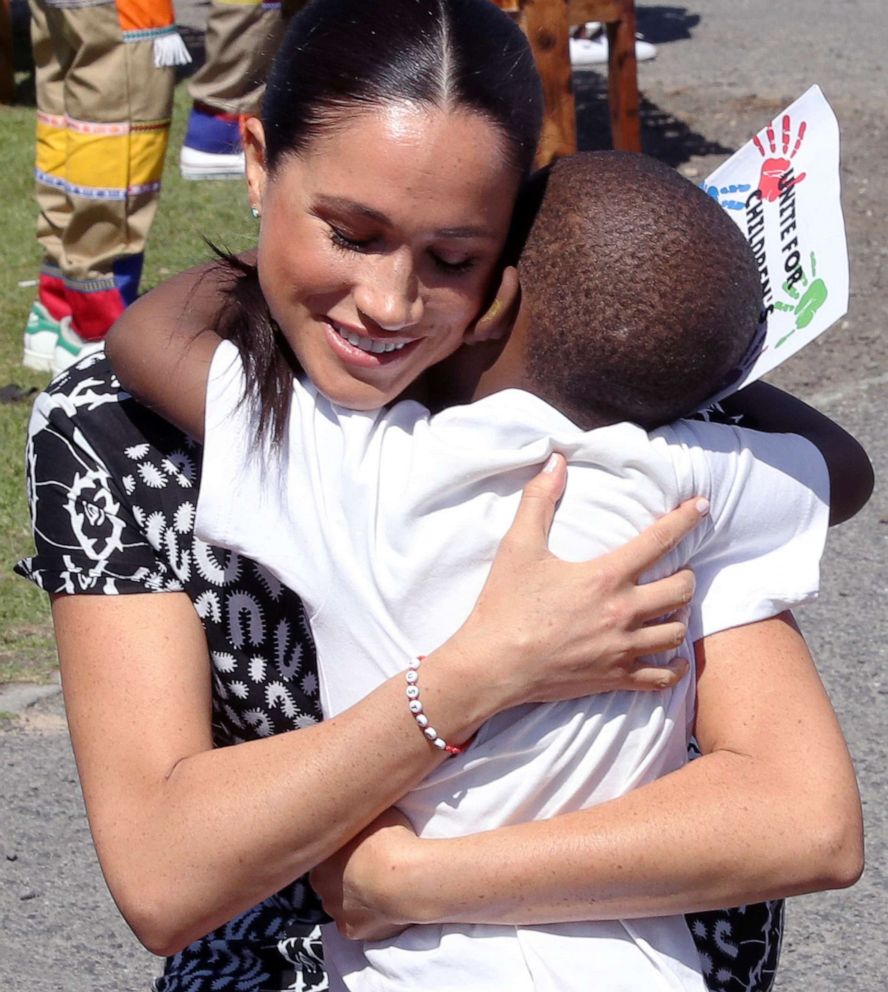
642, 293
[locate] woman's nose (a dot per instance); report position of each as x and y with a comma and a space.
389, 293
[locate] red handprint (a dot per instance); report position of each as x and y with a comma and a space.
773, 168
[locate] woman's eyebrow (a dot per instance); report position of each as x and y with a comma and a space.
465, 232
344, 205
341, 203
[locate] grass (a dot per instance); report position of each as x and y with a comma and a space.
188, 212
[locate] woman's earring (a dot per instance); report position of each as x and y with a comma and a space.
255, 212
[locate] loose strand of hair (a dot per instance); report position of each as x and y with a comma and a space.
269, 364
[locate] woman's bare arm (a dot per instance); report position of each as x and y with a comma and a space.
767, 408
189, 836
770, 810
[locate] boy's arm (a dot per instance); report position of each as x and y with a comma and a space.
767, 408
162, 345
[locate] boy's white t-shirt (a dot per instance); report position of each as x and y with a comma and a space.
386, 523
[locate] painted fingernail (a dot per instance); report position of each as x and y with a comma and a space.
551, 464
702, 506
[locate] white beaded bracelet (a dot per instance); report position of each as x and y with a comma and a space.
415, 707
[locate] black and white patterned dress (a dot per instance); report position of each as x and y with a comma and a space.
113, 492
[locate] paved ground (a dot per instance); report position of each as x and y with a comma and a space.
724, 68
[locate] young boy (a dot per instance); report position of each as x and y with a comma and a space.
639, 298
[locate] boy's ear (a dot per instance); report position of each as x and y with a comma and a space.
253, 139
497, 319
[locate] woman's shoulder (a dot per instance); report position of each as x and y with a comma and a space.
87, 407
113, 490
103, 475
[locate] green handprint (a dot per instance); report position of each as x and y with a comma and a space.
806, 304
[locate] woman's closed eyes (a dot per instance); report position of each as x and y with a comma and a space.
344, 241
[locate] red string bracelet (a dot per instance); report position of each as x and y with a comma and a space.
422, 721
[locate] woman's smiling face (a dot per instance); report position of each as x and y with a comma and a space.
379, 242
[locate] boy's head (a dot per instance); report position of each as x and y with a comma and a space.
639, 293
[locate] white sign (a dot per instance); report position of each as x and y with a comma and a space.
782, 189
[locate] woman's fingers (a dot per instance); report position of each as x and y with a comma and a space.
537, 507
587, 622
654, 678
661, 537
656, 638
663, 597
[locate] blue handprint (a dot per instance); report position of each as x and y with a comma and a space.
717, 192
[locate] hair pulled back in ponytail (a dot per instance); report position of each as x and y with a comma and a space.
340, 57
343, 58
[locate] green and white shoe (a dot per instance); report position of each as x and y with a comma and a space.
70, 347
41, 335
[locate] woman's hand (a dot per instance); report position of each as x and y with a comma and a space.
217, 830
352, 883
559, 630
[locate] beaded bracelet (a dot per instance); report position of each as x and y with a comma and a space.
422, 721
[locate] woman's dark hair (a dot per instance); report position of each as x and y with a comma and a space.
340, 58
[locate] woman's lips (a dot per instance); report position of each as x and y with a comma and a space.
376, 350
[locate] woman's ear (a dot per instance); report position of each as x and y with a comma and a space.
253, 138
497, 319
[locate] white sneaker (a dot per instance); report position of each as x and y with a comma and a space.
644, 50
195, 164
71, 347
41, 334
588, 51
592, 48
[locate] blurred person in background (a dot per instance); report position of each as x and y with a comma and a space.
242, 37
105, 71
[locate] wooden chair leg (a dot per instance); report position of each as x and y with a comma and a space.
547, 27
622, 82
